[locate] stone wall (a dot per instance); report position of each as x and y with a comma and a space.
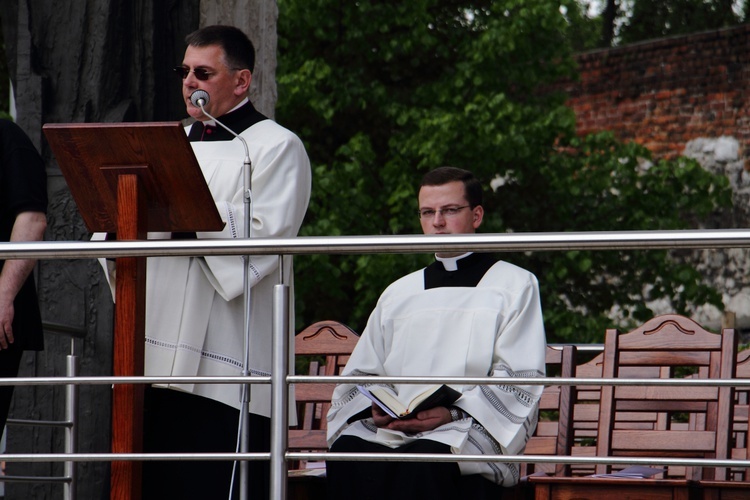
728, 270
668, 92
683, 96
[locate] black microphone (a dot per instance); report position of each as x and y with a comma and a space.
200, 98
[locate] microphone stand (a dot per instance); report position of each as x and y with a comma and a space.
244, 388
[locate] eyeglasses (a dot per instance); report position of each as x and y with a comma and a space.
430, 213
201, 74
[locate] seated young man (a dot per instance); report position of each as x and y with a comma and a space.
464, 315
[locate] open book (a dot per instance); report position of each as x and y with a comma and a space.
408, 404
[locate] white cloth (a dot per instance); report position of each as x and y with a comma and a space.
195, 305
493, 329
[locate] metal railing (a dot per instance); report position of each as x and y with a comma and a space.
68, 423
279, 454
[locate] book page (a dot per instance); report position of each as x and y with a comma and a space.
384, 398
398, 407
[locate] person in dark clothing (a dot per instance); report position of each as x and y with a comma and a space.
23, 207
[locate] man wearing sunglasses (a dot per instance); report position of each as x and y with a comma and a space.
465, 315
195, 308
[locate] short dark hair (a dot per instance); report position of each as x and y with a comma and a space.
444, 175
239, 50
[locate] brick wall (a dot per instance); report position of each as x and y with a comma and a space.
666, 92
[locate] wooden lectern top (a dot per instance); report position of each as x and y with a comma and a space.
93, 155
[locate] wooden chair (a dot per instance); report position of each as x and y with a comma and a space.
741, 420
326, 346
739, 485
670, 342
553, 435
585, 420
741, 424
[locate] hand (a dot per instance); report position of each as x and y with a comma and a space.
6, 323
28, 226
379, 417
423, 421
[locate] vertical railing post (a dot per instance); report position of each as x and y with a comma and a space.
245, 390
71, 417
279, 391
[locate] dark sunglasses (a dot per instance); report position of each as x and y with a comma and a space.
200, 73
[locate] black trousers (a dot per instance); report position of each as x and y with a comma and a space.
178, 422
10, 360
402, 480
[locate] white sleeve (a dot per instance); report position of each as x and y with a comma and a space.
366, 359
508, 412
110, 270
281, 182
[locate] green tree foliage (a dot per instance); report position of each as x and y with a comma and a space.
381, 92
627, 21
584, 29
600, 184
609, 18
655, 19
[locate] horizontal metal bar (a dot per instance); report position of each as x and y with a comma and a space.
552, 459
58, 328
39, 423
129, 457
308, 245
580, 347
338, 379
376, 457
34, 479
25, 381
692, 382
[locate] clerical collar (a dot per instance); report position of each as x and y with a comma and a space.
240, 118
451, 263
470, 268
212, 122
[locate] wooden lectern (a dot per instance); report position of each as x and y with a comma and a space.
131, 178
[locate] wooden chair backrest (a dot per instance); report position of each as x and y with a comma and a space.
553, 434
741, 425
326, 345
585, 421
669, 342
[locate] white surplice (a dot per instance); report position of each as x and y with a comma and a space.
493, 329
195, 305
